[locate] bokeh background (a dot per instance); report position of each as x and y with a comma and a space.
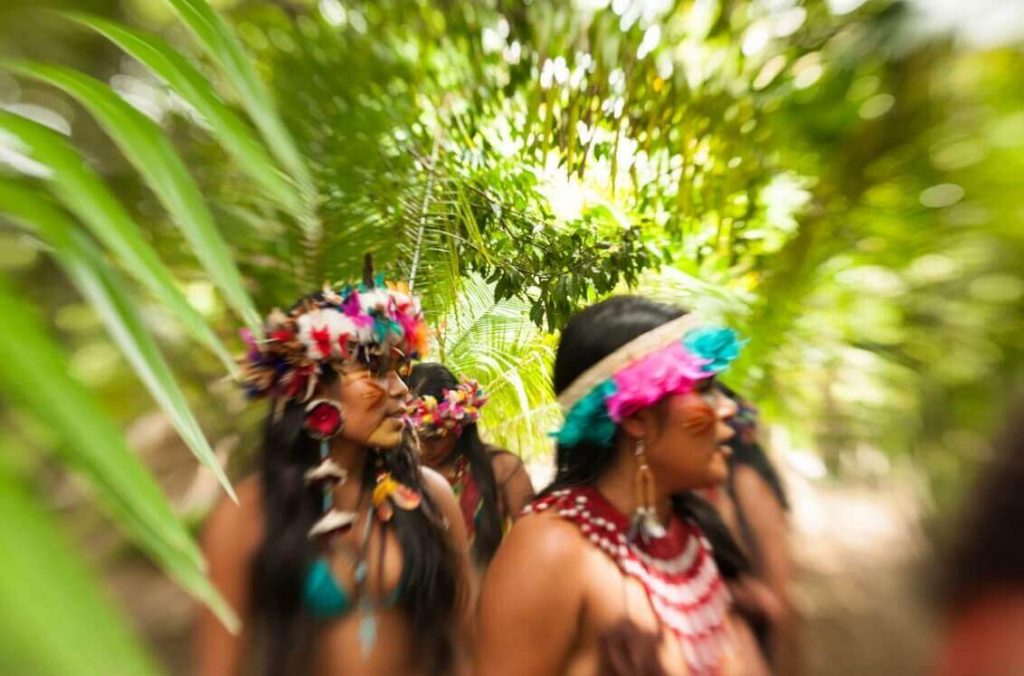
839, 180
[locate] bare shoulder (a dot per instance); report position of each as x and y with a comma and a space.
436, 484
532, 599
749, 483
545, 540
236, 527
523, 584
506, 465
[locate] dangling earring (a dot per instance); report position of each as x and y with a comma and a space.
644, 524
325, 419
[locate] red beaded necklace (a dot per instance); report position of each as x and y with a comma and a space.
467, 493
678, 571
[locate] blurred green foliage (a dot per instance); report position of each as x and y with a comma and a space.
847, 181
840, 180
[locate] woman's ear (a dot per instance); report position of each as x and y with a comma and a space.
634, 426
641, 425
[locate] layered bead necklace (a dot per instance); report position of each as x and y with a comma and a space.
677, 571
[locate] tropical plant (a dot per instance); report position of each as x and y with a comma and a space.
816, 173
487, 340
51, 600
60, 199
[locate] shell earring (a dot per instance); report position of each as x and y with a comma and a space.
325, 419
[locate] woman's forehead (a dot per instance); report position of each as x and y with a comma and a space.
377, 363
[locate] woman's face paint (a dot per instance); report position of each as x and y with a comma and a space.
374, 403
698, 418
689, 451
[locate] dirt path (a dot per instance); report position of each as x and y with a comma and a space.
860, 554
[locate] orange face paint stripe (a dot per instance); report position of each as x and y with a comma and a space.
698, 418
376, 394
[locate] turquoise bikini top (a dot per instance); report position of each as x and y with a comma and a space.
325, 598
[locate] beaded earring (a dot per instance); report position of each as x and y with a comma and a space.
644, 525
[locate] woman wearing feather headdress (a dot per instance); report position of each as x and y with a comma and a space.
491, 484
344, 556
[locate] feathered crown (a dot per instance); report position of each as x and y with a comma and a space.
338, 325
458, 408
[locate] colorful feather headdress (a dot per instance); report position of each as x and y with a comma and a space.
458, 408
670, 359
344, 324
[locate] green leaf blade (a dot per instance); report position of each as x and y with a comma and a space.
102, 288
35, 377
221, 44
151, 153
227, 128
85, 195
54, 620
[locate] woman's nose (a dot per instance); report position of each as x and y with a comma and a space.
725, 407
396, 386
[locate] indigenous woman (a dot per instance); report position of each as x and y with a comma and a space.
492, 485
755, 507
343, 556
610, 571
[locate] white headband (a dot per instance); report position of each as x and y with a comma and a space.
636, 349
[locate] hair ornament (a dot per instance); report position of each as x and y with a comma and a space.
458, 408
669, 359
337, 326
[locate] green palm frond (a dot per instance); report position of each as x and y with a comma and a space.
153, 156
55, 620
105, 291
186, 81
496, 343
218, 40
34, 376
83, 193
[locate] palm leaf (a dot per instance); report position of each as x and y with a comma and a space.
227, 128
148, 149
221, 44
83, 193
35, 376
53, 619
101, 286
496, 343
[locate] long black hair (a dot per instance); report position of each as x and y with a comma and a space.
747, 450
283, 630
431, 379
591, 335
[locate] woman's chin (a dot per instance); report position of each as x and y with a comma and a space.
718, 469
386, 441
388, 435
432, 460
